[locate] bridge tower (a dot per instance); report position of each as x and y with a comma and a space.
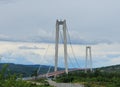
63, 24
88, 62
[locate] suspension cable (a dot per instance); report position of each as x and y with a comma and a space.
43, 57
68, 55
49, 69
72, 48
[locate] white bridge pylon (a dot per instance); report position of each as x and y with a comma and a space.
58, 24
88, 64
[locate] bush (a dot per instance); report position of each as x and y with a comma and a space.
8, 80
92, 79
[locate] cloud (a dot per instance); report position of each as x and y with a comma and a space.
102, 54
113, 55
30, 27
9, 57
106, 61
28, 48
4, 37
44, 36
29, 53
25, 58
88, 25
3, 2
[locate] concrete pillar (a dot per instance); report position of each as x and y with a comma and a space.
65, 46
88, 61
63, 23
56, 44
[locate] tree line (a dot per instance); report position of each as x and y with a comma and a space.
92, 79
10, 80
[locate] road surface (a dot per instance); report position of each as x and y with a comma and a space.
64, 84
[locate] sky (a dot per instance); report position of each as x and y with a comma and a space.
27, 28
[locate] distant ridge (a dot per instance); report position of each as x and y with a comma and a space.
25, 70
112, 68
28, 70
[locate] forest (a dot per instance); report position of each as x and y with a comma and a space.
100, 77
97, 78
10, 80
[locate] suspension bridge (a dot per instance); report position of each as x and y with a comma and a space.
65, 37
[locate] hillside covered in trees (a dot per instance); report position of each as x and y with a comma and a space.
27, 70
114, 68
100, 77
11, 80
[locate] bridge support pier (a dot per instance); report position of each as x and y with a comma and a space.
63, 23
88, 61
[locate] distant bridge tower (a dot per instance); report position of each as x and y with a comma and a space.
0, 58
88, 62
63, 23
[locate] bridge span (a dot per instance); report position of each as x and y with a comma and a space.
51, 74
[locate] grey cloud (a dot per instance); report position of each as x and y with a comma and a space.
113, 55
95, 21
28, 57
50, 38
10, 57
2, 2
27, 47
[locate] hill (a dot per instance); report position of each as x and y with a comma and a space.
26, 70
113, 68
101, 77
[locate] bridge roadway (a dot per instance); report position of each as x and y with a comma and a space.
57, 73
51, 74
52, 83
